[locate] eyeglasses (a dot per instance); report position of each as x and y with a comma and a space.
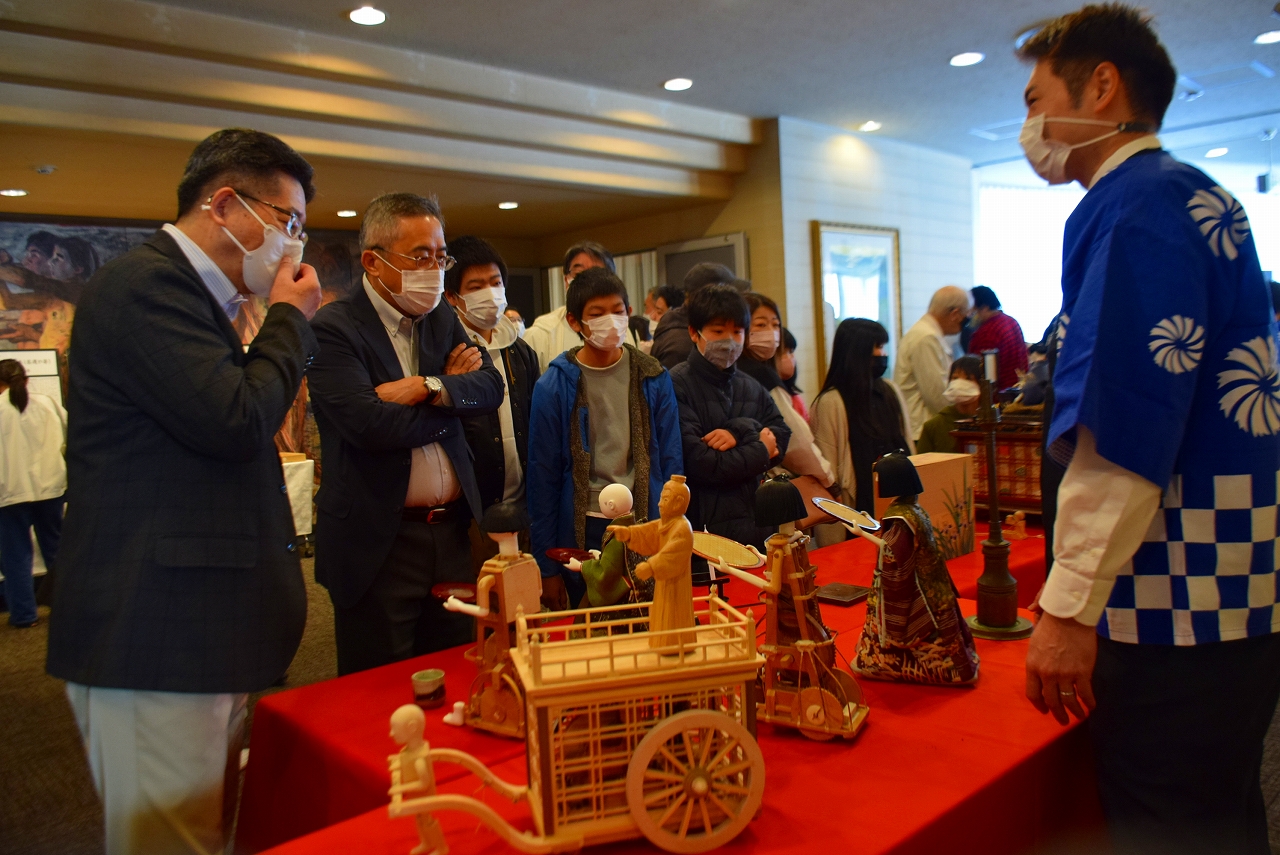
425, 262
293, 224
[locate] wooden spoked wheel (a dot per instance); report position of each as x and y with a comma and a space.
852, 691
695, 781
821, 714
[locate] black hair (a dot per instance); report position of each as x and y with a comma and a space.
788, 341
671, 295
851, 375
590, 284
43, 241
471, 251
717, 303
83, 256
1078, 43
13, 375
240, 156
970, 365
984, 297
593, 249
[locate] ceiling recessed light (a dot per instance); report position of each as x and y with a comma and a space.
1216, 152
368, 16
508, 206
347, 212
677, 84
13, 192
46, 169
1268, 38
961, 60
870, 126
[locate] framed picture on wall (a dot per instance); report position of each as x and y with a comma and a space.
855, 275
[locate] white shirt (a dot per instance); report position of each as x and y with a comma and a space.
504, 335
32, 468
210, 274
551, 336
432, 480
921, 371
1104, 510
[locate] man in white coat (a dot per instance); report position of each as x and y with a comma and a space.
551, 334
924, 360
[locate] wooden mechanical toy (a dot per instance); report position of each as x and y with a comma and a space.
802, 686
509, 584
634, 730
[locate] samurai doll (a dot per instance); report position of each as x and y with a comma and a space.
914, 630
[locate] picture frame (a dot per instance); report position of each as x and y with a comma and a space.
856, 274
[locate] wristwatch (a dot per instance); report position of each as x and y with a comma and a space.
434, 388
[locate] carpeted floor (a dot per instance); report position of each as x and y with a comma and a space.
47, 802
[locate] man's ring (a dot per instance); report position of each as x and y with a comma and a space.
1066, 694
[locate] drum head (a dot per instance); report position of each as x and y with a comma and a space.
844, 513
713, 547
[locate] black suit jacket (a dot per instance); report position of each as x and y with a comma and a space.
366, 443
177, 570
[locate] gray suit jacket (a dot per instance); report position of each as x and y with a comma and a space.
177, 570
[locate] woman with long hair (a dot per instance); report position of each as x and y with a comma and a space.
859, 416
758, 361
33, 479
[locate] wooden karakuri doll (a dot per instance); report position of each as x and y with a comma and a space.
914, 631
669, 544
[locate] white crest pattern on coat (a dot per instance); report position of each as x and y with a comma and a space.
1177, 344
1253, 398
1221, 220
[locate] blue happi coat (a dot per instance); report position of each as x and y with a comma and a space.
1168, 356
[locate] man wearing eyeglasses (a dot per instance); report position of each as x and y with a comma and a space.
179, 588
396, 371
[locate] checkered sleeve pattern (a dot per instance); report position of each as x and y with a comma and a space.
1207, 570
1002, 333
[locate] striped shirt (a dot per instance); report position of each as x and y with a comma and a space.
210, 274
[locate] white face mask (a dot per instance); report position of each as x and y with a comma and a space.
607, 332
261, 265
721, 352
420, 290
764, 343
960, 390
483, 308
1049, 157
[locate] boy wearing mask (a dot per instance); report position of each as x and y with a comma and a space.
603, 413
499, 441
962, 393
732, 433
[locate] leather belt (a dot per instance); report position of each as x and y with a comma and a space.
434, 516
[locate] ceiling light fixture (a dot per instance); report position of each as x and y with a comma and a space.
677, 84
1268, 38
46, 169
508, 206
962, 60
870, 126
1217, 152
13, 192
347, 213
368, 16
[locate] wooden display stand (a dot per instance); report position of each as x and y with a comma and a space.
948, 499
1018, 461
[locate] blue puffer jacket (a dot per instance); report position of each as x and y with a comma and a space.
556, 513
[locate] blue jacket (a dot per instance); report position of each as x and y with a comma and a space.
557, 512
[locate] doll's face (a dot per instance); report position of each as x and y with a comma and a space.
674, 500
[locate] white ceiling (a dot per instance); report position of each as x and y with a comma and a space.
839, 62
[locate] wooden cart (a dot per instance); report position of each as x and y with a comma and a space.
627, 740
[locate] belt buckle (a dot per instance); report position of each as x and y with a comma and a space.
437, 515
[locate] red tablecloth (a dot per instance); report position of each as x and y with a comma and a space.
934, 770
318, 753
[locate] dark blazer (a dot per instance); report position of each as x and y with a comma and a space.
177, 570
366, 443
671, 342
484, 433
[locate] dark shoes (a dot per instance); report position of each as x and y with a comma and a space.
35, 622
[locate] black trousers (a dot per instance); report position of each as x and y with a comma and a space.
1178, 737
397, 618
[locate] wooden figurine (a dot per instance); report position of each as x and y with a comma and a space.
914, 631
801, 684
1017, 523
508, 582
669, 544
611, 576
413, 772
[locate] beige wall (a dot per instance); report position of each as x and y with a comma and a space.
754, 208
834, 175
